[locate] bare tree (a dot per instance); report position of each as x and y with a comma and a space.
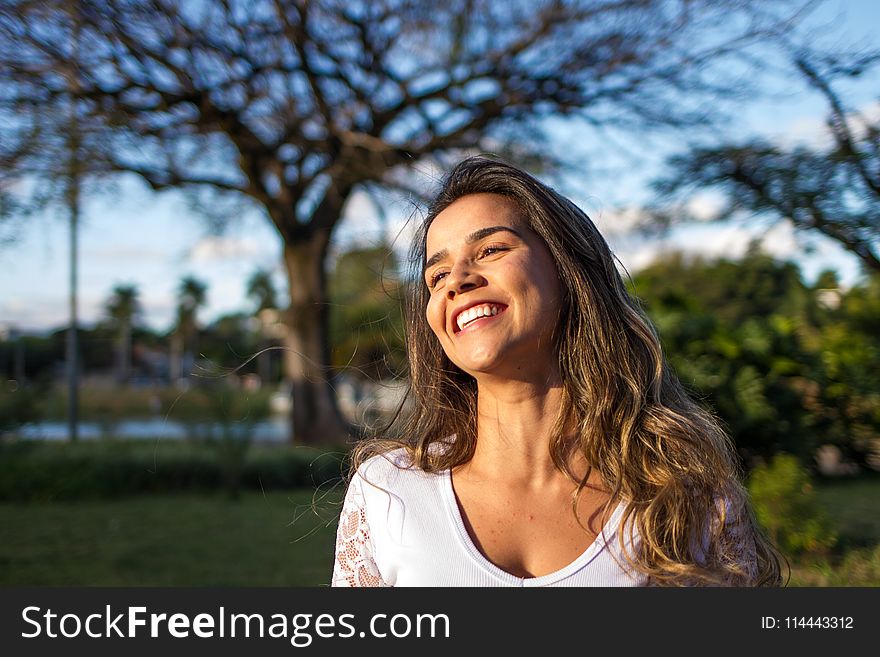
295, 105
833, 190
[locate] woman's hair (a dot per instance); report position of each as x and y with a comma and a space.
654, 447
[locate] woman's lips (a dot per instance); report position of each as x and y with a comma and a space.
480, 321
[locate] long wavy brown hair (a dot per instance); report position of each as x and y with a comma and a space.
655, 448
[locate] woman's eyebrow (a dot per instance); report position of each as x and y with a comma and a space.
476, 236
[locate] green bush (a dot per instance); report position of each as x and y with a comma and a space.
786, 506
196, 404
18, 406
33, 470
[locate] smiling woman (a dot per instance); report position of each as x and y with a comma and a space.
495, 296
547, 442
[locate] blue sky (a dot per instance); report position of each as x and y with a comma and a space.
152, 241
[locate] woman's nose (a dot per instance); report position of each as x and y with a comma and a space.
461, 279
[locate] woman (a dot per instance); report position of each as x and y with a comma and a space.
547, 442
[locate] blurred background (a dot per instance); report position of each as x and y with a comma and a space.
205, 212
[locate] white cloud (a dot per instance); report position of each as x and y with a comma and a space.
813, 132
810, 132
124, 253
213, 248
622, 222
720, 240
705, 206
781, 240
618, 221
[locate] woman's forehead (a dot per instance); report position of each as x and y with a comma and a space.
470, 213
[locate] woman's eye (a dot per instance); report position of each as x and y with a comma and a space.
436, 278
490, 250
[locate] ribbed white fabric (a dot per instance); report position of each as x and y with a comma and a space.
401, 526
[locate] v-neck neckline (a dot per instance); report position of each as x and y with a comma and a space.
455, 516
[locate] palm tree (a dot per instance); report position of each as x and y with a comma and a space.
123, 306
261, 289
191, 296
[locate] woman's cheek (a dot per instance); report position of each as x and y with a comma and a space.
434, 316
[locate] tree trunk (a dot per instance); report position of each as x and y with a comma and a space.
126, 353
315, 415
264, 364
175, 358
123, 355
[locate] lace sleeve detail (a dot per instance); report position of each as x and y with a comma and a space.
354, 564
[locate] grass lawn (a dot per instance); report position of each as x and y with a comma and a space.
274, 539
285, 538
853, 505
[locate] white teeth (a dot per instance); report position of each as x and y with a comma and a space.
469, 315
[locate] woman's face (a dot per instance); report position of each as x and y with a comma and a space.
494, 291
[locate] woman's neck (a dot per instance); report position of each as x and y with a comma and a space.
515, 422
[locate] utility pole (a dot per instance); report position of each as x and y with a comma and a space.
73, 201
73, 205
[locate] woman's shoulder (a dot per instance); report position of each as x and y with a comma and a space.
397, 462
392, 470
390, 483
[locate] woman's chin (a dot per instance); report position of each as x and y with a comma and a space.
501, 369
480, 361
517, 360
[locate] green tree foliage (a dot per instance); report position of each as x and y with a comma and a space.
192, 295
786, 505
366, 315
847, 407
18, 406
227, 346
783, 371
261, 290
123, 308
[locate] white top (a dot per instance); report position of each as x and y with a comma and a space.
401, 526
